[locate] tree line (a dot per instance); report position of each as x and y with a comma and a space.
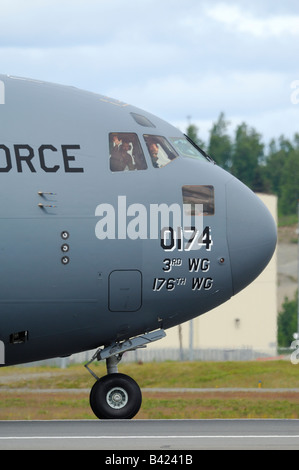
287, 322
272, 168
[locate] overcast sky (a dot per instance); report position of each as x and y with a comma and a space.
180, 60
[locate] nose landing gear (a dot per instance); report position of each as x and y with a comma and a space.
116, 395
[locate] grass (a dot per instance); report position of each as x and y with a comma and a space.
241, 405
17, 403
168, 374
286, 220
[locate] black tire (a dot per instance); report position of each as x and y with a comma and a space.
115, 396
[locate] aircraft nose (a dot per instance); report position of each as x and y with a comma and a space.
251, 234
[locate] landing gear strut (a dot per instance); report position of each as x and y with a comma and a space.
118, 396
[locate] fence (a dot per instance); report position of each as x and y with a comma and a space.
175, 354
2, 353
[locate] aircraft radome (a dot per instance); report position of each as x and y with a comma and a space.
114, 228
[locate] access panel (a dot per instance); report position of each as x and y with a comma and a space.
125, 290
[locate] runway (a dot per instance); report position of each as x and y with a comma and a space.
159, 435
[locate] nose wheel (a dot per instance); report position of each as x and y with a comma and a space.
115, 396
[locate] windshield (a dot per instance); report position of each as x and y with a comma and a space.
186, 147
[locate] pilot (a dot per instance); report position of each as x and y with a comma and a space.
125, 157
156, 155
115, 154
154, 150
121, 159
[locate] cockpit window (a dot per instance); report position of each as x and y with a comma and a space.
125, 152
160, 150
199, 199
142, 120
187, 148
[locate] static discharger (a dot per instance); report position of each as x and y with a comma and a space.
42, 194
45, 205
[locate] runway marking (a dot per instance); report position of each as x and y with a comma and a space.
291, 436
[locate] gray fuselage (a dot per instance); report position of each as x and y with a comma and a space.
85, 258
